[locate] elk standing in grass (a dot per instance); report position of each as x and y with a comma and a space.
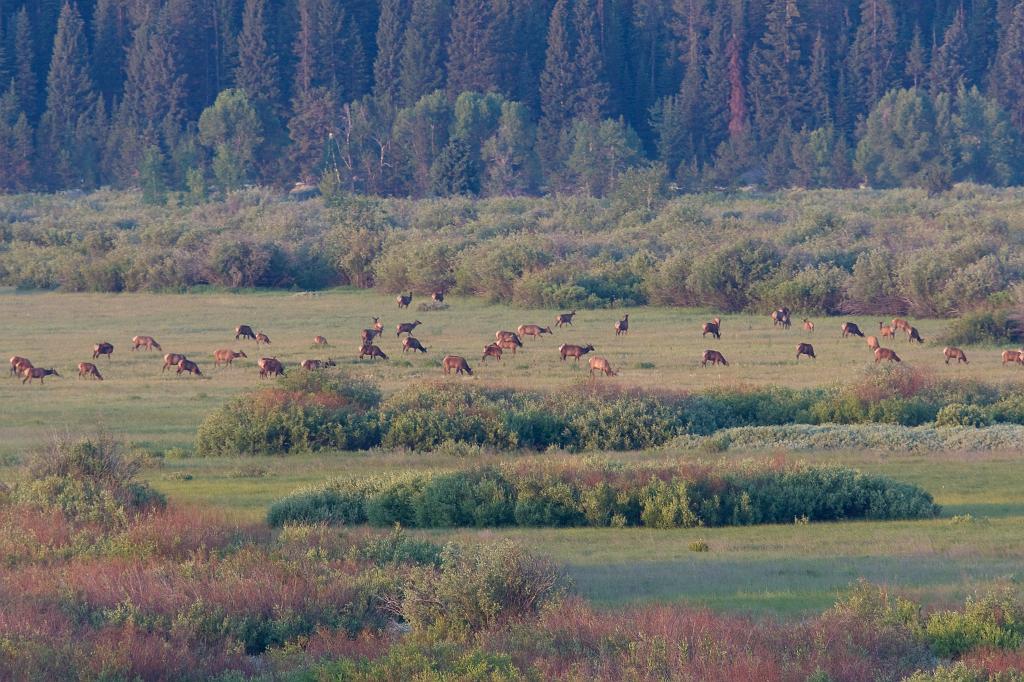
437, 296
886, 354
808, 326
780, 318
886, 331
87, 369
30, 373
270, 367
714, 327
622, 326
564, 318
378, 326
102, 348
805, 349
900, 324
147, 342
372, 351
952, 353
851, 329
19, 365
1013, 356
571, 350
457, 364
492, 350
413, 344
171, 360
320, 341
367, 335
404, 301
406, 327
187, 365
601, 365
262, 338
714, 357
225, 356
244, 331
510, 343
913, 335
533, 330
310, 365
872, 342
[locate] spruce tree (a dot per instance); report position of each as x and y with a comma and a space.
387, 65
590, 84
916, 69
872, 56
778, 79
1006, 82
16, 149
556, 83
423, 54
257, 72
473, 55
25, 81
949, 65
818, 84
110, 38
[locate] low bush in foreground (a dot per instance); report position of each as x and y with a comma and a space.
681, 495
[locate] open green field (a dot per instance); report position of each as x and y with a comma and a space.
161, 410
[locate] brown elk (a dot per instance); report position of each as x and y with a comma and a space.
805, 349
457, 364
886, 331
19, 365
368, 335
371, 350
713, 327
225, 356
714, 357
601, 365
310, 365
913, 335
872, 342
270, 367
147, 342
508, 343
378, 326
780, 317
1013, 356
564, 318
244, 331
30, 373
406, 327
808, 326
262, 338
622, 326
437, 296
87, 369
171, 360
187, 365
571, 350
413, 344
102, 348
900, 324
492, 350
952, 353
886, 354
534, 330
851, 329
320, 341
404, 301
499, 335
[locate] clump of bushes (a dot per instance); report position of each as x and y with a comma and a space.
680, 496
986, 327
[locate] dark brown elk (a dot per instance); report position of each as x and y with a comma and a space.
886, 331
30, 373
900, 324
714, 327
320, 341
492, 350
805, 349
87, 369
599, 364
225, 356
872, 342
780, 318
1013, 356
147, 342
622, 326
310, 365
534, 330
457, 364
404, 301
509, 343
371, 350
952, 353
171, 360
571, 350
437, 296
406, 327
808, 326
262, 338
851, 329
564, 318
270, 367
102, 348
244, 331
886, 354
368, 335
19, 365
913, 335
413, 344
714, 357
187, 365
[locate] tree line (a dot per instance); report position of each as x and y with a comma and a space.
498, 97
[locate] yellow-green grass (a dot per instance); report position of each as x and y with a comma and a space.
661, 351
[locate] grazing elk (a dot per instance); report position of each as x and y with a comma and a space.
808, 326
851, 329
30, 373
262, 338
19, 365
601, 365
102, 348
457, 364
886, 354
886, 331
404, 301
406, 327
437, 296
913, 335
320, 341
270, 367
714, 327
900, 324
244, 331
367, 335
510, 343
872, 342
310, 365
413, 344
225, 356
187, 365
952, 353
714, 357
564, 318
492, 350
805, 349
171, 360
87, 369
1013, 356
371, 350
571, 350
147, 342
534, 330
622, 326
780, 318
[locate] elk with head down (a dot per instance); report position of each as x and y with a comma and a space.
368, 349
413, 344
406, 327
102, 348
622, 326
19, 365
805, 349
492, 350
457, 364
714, 357
808, 326
147, 342
187, 365
1016, 356
571, 350
244, 331
886, 354
714, 327
886, 331
900, 324
87, 369
270, 367
913, 335
953, 353
320, 341
226, 356
564, 318
262, 338
510, 343
534, 330
598, 363
872, 342
499, 335
171, 360
404, 301
310, 365
780, 318
851, 329
30, 373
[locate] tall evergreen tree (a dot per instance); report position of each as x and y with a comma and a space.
778, 77
873, 52
949, 65
110, 38
1006, 82
916, 69
818, 84
257, 73
590, 83
556, 83
387, 65
473, 48
423, 54
26, 84
16, 149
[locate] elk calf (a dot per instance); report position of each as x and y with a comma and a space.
413, 344
31, 373
713, 327
406, 327
19, 365
601, 365
371, 350
808, 326
851, 329
533, 330
171, 360
900, 324
87, 369
952, 353
571, 350
1013, 356
872, 342
262, 338
886, 331
404, 301
457, 364
564, 318
244, 331
270, 367
492, 350
805, 349
310, 365
102, 348
622, 326
714, 357
320, 341
912, 335
187, 365
225, 356
886, 354
147, 342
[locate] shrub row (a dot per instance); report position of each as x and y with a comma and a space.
657, 497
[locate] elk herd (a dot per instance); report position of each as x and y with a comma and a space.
504, 342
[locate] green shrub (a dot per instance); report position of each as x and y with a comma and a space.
996, 620
985, 328
958, 414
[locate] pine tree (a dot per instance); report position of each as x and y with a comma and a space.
387, 65
715, 83
511, 163
25, 82
70, 101
818, 84
916, 69
304, 48
110, 38
1006, 82
556, 82
154, 90
949, 63
423, 55
257, 72
473, 57
454, 171
590, 84
16, 149
872, 56
777, 75
654, 57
